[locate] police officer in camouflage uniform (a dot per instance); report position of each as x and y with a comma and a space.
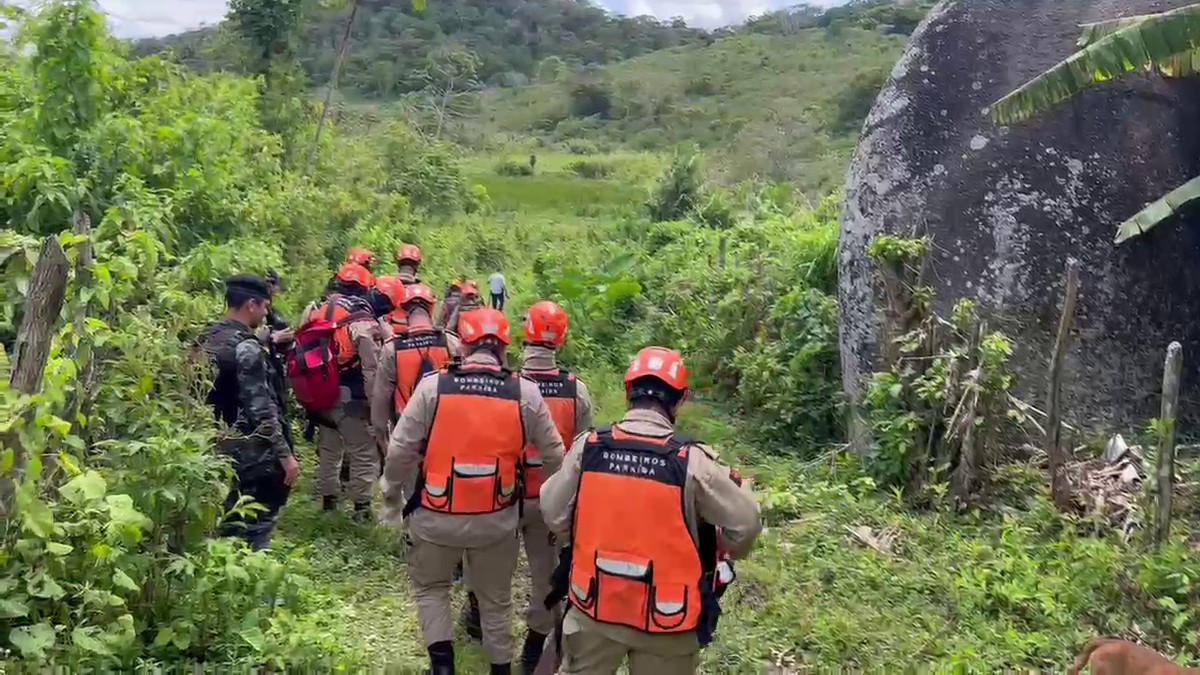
249, 402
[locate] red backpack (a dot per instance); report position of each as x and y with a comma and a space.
312, 366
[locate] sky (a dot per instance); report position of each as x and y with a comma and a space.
147, 18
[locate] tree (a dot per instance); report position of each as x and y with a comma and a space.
1166, 42
451, 83
271, 30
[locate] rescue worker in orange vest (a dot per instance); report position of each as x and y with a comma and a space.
361, 256
389, 294
645, 512
469, 301
348, 438
457, 452
571, 407
408, 262
450, 303
421, 349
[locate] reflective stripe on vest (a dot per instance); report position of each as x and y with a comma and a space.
560, 390
635, 563
411, 349
473, 456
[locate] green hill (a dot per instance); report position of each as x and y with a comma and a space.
509, 38
784, 107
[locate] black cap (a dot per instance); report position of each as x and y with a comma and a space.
272, 277
250, 285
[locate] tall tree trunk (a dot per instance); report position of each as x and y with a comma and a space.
333, 80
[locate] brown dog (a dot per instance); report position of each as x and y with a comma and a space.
1110, 656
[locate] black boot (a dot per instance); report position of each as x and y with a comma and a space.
535, 642
329, 503
362, 512
501, 669
470, 618
441, 658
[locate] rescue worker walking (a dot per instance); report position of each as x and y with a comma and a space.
408, 262
645, 512
389, 297
247, 399
407, 358
457, 453
468, 301
346, 437
450, 302
361, 256
571, 407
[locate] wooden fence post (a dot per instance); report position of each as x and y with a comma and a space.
1060, 487
81, 344
1166, 442
44, 303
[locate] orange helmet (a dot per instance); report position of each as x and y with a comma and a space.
478, 324
419, 294
660, 363
456, 285
361, 256
392, 288
470, 290
546, 324
408, 253
354, 273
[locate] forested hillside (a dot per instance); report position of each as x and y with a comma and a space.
392, 42
141, 183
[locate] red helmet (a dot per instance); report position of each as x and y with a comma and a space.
478, 324
660, 363
361, 256
546, 324
392, 288
408, 253
470, 290
418, 294
354, 273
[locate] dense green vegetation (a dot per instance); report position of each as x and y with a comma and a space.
107, 563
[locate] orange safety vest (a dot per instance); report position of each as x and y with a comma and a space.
418, 353
635, 562
560, 389
473, 455
342, 311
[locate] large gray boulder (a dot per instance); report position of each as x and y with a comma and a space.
1005, 208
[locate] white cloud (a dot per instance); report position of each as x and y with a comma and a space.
147, 18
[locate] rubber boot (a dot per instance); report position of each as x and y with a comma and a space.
501, 669
535, 643
329, 503
441, 658
470, 618
362, 513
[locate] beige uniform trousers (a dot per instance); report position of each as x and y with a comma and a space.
593, 648
543, 558
351, 442
431, 570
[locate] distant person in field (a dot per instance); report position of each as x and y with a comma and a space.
499, 290
248, 399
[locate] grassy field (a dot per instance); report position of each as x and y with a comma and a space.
779, 107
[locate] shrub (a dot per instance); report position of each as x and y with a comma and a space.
512, 167
591, 168
591, 98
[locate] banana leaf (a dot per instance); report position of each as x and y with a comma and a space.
1181, 65
1159, 211
1159, 41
